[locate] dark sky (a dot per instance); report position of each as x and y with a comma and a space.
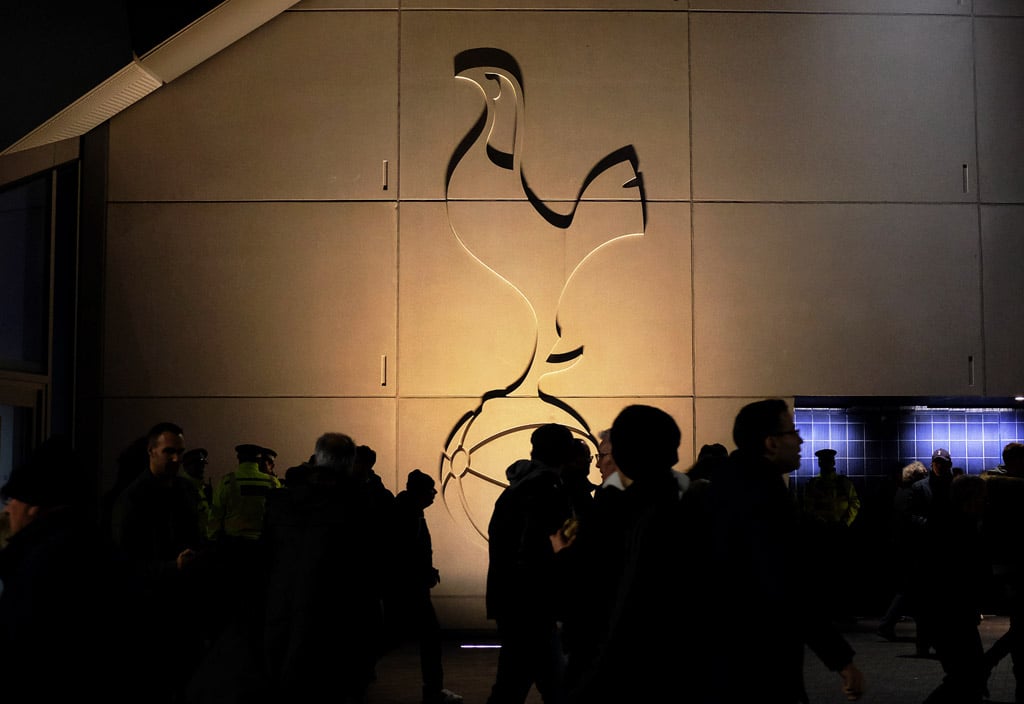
54, 51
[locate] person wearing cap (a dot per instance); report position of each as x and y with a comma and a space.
757, 536
930, 495
411, 612
831, 497
59, 585
831, 503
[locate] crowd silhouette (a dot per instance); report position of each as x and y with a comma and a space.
168, 589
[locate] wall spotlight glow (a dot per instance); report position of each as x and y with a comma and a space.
1018, 398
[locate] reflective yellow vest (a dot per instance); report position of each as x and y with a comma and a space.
240, 499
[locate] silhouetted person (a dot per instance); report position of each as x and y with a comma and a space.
156, 529
590, 566
299, 474
325, 582
522, 585
831, 504
929, 498
193, 468
382, 502
61, 631
709, 459
268, 463
132, 461
757, 549
646, 560
902, 547
413, 578
1003, 533
948, 588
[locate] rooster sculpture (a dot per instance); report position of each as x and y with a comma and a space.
488, 162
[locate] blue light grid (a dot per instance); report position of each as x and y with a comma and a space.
880, 442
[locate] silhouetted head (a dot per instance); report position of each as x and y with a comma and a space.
942, 463
335, 455
53, 475
268, 461
578, 466
967, 494
713, 450
765, 429
551, 444
132, 461
645, 441
421, 487
194, 462
914, 471
826, 460
1013, 458
249, 453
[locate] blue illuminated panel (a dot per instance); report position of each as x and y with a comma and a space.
880, 442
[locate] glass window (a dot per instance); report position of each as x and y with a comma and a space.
24, 275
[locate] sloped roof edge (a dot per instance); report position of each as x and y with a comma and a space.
186, 49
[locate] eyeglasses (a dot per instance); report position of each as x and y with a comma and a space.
599, 455
794, 431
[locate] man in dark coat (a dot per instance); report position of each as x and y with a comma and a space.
1002, 529
156, 530
413, 576
647, 558
929, 499
326, 548
522, 595
60, 604
757, 543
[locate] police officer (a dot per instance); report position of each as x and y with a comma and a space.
239, 503
239, 500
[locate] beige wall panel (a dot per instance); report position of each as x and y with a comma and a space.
999, 7
305, 108
463, 329
931, 7
714, 418
288, 425
831, 107
836, 299
630, 306
1000, 72
1002, 247
496, 438
259, 299
582, 100
469, 325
